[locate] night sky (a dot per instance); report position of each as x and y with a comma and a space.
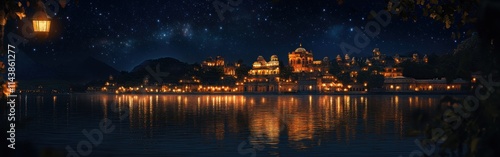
125, 33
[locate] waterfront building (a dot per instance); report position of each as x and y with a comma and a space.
261, 67
405, 84
309, 83
302, 60
110, 85
264, 76
329, 84
288, 86
230, 70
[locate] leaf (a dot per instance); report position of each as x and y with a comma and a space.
464, 17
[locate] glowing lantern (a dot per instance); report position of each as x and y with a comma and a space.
41, 22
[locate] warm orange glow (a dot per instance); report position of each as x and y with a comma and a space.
42, 26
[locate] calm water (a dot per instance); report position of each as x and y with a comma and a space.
225, 125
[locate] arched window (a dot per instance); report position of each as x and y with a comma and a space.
298, 61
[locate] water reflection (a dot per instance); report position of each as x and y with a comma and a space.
298, 118
298, 122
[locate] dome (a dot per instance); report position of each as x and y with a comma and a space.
274, 58
300, 49
260, 58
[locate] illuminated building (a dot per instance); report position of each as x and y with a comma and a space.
211, 62
399, 83
378, 57
392, 72
230, 70
368, 62
302, 60
426, 59
405, 84
110, 85
415, 58
377, 54
262, 67
397, 59
264, 76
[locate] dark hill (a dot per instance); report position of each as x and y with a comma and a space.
170, 70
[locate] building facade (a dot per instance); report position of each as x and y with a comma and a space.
302, 60
264, 75
262, 67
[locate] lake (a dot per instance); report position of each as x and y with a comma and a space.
221, 125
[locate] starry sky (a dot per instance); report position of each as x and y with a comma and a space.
125, 33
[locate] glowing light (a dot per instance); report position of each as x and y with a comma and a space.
41, 22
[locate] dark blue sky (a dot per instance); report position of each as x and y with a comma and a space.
124, 33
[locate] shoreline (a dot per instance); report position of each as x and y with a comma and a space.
269, 93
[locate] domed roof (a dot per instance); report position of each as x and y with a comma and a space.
260, 58
274, 56
300, 49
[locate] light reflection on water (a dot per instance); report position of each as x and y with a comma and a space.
211, 125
